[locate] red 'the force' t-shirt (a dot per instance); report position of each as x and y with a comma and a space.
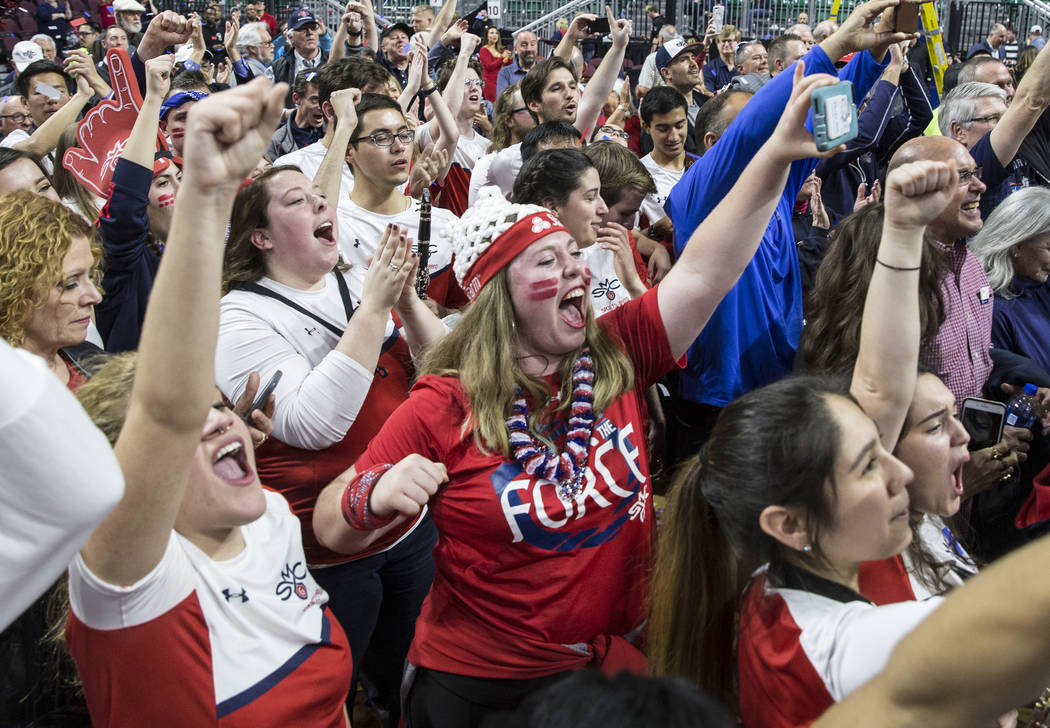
526, 582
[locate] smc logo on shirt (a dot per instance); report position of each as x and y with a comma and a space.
613, 480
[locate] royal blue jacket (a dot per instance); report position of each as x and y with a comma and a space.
752, 336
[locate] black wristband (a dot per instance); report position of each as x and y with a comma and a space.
427, 91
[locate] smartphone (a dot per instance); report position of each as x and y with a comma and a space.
263, 396
601, 25
984, 420
834, 115
906, 18
718, 14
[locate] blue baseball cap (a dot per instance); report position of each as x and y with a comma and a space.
301, 17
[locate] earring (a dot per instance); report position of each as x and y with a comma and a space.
806, 549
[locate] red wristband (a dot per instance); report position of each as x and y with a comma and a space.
357, 511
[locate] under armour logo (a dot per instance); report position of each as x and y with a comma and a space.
312, 330
243, 596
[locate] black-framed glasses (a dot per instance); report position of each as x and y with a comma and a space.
83, 33
967, 175
613, 131
990, 119
519, 109
385, 138
17, 117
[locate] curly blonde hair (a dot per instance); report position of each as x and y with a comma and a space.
35, 235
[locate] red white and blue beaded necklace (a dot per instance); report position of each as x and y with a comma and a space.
537, 459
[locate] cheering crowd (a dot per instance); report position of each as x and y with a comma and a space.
391, 375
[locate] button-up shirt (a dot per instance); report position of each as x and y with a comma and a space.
959, 354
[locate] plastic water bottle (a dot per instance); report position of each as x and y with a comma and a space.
1021, 409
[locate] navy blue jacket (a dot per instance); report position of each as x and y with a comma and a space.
129, 263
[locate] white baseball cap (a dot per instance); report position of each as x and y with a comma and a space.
24, 53
1035, 29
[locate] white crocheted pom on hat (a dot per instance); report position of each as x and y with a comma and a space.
485, 220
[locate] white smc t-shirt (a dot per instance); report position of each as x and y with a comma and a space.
360, 231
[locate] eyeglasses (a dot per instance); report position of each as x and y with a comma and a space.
966, 175
18, 118
474, 83
83, 33
613, 131
385, 138
519, 110
990, 119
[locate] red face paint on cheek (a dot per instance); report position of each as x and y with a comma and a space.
543, 290
587, 278
166, 200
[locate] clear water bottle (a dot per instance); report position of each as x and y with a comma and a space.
1021, 409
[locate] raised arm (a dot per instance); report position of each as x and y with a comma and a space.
368, 20
1030, 101
724, 243
175, 382
887, 364
604, 77
43, 141
453, 93
578, 30
441, 22
167, 29
142, 143
330, 174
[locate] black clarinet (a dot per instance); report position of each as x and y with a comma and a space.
423, 246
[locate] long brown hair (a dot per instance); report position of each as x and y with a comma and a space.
777, 445
243, 262
503, 110
480, 351
831, 339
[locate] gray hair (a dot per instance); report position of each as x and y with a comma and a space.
251, 35
668, 32
43, 37
1019, 218
742, 52
823, 29
960, 104
969, 70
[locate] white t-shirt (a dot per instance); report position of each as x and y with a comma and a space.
665, 179
258, 614
956, 564
20, 135
360, 231
468, 151
607, 291
498, 168
59, 479
309, 159
649, 77
321, 390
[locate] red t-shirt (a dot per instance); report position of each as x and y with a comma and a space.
526, 583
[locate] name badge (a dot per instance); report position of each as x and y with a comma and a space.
985, 294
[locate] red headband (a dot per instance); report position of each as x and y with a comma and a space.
506, 247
